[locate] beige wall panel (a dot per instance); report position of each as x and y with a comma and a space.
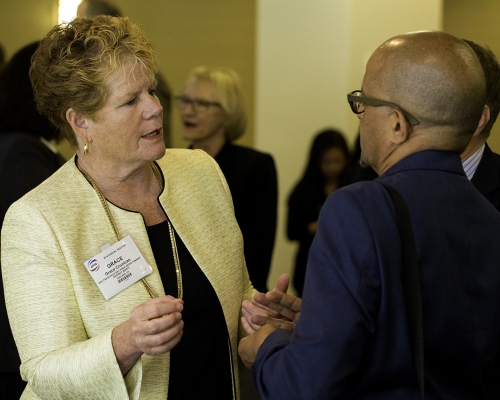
24, 21
479, 21
309, 55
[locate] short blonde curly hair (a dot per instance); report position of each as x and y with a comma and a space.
230, 93
75, 62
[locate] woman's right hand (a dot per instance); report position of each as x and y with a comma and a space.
154, 327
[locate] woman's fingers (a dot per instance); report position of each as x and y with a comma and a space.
157, 325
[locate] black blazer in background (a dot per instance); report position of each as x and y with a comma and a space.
486, 179
252, 179
25, 162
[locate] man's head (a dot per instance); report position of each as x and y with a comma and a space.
436, 79
491, 70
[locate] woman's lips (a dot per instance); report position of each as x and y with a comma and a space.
152, 134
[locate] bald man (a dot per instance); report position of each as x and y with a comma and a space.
421, 100
481, 165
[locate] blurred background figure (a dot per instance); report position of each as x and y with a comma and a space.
2, 56
91, 8
481, 164
327, 170
213, 113
28, 156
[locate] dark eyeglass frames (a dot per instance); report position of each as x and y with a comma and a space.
198, 105
357, 103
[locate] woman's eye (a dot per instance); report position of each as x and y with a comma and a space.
152, 92
131, 102
202, 103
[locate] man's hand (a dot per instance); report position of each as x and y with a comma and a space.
275, 308
249, 346
286, 306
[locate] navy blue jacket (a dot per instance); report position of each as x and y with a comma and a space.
352, 340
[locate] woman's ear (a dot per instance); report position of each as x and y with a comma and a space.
79, 124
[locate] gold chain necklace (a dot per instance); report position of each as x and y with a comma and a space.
104, 203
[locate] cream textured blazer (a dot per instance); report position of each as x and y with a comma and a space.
62, 324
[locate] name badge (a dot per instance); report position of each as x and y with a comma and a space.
117, 267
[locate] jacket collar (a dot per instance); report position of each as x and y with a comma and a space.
429, 160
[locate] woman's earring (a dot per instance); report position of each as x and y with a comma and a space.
85, 149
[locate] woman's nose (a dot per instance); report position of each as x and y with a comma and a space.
154, 107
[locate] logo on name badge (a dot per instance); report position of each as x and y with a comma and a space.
93, 265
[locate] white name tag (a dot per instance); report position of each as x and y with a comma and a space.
118, 267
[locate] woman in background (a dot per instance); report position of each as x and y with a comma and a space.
213, 112
327, 170
28, 156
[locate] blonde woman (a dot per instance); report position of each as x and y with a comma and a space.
124, 271
213, 113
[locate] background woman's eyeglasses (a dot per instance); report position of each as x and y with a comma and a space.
198, 105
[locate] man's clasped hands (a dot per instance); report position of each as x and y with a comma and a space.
266, 313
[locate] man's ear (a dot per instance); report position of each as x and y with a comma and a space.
400, 127
79, 123
485, 117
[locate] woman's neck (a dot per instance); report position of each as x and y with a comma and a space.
330, 186
133, 188
121, 184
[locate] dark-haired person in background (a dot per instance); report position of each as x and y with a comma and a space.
28, 156
481, 165
2, 56
90, 8
327, 170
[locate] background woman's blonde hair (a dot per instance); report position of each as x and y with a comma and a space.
230, 93
75, 62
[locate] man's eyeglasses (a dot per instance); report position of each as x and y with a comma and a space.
357, 103
198, 105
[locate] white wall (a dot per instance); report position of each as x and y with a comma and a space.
309, 54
